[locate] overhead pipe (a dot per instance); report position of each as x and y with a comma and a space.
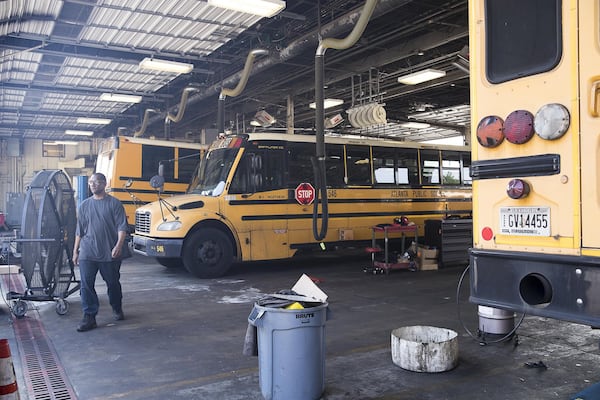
182, 103
238, 89
145, 122
297, 47
319, 161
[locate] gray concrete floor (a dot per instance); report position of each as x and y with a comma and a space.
182, 337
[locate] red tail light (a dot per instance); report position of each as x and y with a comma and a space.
517, 189
518, 127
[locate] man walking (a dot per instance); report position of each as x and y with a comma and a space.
99, 240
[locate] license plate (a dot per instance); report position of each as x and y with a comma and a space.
525, 221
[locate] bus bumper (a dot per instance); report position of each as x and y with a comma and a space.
157, 247
548, 285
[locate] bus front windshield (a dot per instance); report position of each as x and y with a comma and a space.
213, 172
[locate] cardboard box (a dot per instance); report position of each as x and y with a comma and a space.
428, 265
426, 253
346, 234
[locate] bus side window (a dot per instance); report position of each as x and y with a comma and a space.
334, 165
151, 158
299, 164
384, 165
450, 168
188, 160
407, 170
358, 164
430, 167
466, 169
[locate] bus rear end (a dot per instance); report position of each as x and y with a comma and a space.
535, 135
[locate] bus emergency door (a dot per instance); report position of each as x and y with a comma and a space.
589, 86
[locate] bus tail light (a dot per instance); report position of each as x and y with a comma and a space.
517, 189
552, 121
489, 131
518, 127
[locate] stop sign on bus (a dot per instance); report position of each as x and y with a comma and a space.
305, 193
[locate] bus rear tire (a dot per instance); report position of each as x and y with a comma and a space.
170, 262
208, 253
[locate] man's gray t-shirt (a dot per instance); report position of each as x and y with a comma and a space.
98, 224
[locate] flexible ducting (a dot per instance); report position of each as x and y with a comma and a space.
145, 122
238, 89
182, 104
319, 161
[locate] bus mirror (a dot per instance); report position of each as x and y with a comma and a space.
161, 169
157, 182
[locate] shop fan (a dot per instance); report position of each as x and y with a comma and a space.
47, 237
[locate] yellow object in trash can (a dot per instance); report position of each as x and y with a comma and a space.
295, 306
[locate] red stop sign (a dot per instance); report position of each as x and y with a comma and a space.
305, 193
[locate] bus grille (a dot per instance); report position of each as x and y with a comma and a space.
142, 222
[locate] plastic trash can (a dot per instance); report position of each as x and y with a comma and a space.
291, 351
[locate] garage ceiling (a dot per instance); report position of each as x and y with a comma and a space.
58, 57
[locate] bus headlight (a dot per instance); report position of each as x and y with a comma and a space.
169, 226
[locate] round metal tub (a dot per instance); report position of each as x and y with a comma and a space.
425, 348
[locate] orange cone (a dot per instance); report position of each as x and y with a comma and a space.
8, 382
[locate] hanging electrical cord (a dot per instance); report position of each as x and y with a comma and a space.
478, 338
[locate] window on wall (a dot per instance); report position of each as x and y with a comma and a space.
53, 150
358, 164
430, 167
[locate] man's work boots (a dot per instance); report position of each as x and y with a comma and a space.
87, 323
118, 315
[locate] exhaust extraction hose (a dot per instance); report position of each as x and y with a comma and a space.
319, 160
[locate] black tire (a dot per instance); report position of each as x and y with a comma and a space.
208, 253
170, 262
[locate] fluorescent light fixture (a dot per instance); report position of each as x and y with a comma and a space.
328, 103
94, 121
121, 98
255, 123
421, 76
66, 142
263, 8
79, 133
166, 65
415, 125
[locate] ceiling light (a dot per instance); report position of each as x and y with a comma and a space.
120, 98
166, 66
79, 133
66, 142
255, 123
95, 121
421, 76
328, 103
263, 8
415, 125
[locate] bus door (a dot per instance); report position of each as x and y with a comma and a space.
261, 203
589, 83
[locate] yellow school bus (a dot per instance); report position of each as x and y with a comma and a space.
129, 163
254, 198
535, 97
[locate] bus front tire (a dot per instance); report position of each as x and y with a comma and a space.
208, 253
170, 262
